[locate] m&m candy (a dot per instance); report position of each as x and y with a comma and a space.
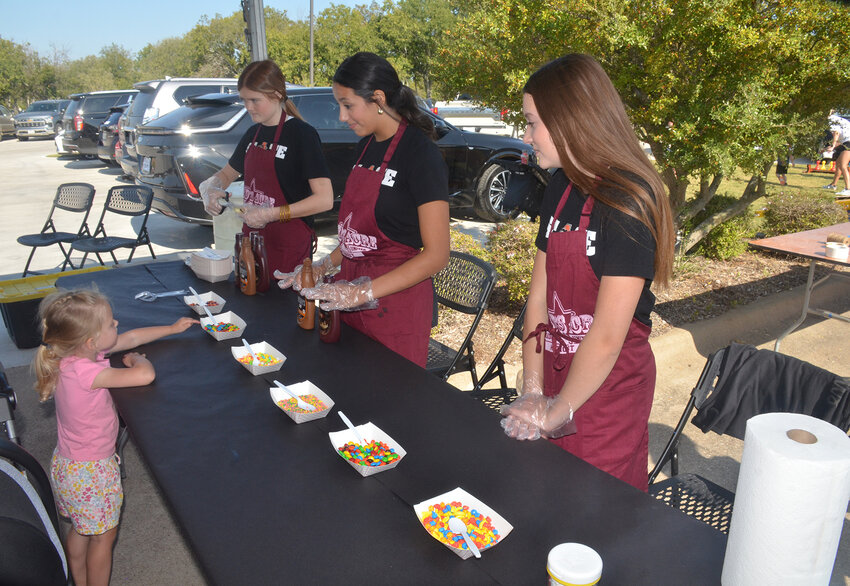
221, 327
291, 405
262, 358
372, 454
479, 527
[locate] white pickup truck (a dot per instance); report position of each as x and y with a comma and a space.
467, 114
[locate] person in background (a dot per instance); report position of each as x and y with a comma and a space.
782, 162
78, 330
394, 217
286, 177
606, 232
840, 149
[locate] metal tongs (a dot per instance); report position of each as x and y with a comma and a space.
148, 296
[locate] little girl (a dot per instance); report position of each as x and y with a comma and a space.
78, 329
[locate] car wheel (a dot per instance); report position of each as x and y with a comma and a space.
490, 195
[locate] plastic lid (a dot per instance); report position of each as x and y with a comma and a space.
574, 564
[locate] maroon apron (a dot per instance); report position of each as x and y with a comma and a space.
287, 245
402, 321
612, 425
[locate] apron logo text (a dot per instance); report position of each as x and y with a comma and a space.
571, 327
351, 242
257, 197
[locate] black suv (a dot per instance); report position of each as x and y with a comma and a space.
82, 126
41, 118
181, 149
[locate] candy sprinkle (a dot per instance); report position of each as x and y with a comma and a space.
210, 303
291, 405
373, 454
264, 359
222, 327
480, 527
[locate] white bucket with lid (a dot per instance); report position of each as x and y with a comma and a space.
227, 224
573, 564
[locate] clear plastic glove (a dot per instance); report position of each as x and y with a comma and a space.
256, 216
211, 190
529, 382
322, 267
355, 295
533, 416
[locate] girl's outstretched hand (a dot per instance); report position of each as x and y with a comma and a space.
183, 324
131, 359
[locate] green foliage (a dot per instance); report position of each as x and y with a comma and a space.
463, 242
727, 240
803, 210
511, 251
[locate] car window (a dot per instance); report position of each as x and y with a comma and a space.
186, 91
41, 107
4, 111
141, 103
72, 109
320, 111
94, 104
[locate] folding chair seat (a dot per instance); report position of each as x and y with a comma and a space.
132, 200
75, 198
464, 285
739, 382
30, 548
495, 398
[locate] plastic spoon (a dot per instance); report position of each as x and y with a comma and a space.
458, 526
251, 350
352, 428
301, 403
148, 296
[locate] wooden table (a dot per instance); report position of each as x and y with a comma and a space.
262, 500
811, 245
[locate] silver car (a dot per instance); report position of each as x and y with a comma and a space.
7, 124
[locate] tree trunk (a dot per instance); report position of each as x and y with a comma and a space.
706, 192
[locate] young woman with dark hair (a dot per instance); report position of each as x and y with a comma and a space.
394, 216
286, 178
606, 232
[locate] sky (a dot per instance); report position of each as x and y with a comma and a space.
84, 28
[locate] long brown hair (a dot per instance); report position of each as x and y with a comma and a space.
67, 319
588, 124
267, 78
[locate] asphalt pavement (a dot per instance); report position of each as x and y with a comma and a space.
150, 548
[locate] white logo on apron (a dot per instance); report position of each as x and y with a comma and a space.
351, 242
569, 324
257, 197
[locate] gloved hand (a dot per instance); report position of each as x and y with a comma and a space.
322, 267
532, 416
211, 190
355, 295
256, 216
530, 382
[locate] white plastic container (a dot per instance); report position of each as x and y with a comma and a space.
837, 250
227, 224
573, 564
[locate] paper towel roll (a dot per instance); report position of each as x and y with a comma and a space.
790, 502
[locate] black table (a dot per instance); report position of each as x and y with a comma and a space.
262, 500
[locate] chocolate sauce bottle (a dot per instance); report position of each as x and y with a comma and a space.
307, 307
329, 322
261, 260
247, 267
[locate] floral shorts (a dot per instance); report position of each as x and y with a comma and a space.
89, 493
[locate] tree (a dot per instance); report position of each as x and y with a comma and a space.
711, 86
169, 57
219, 48
342, 31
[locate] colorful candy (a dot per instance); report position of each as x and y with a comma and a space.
264, 359
480, 527
210, 303
373, 454
292, 405
221, 327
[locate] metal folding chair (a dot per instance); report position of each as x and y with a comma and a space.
75, 198
495, 398
739, 382
463, 285
124, 200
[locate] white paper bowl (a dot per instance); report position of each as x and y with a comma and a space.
205, 298
301, 389
464, 498
837, 250
258, 348
369, 432
227, 317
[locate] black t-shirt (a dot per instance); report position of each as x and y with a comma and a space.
421, 176
302, 158
623, 246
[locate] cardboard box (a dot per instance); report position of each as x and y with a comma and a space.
19, 300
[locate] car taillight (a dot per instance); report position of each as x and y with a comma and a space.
78, 123
192, 189
503, 113
435, 111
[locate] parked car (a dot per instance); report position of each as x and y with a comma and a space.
83, 127
161, 96
181, 149
467, 114
7, 123
109, 144
41, 119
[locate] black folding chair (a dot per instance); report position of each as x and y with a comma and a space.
464, 285
30, 548
132, 200
739, 382
495, 398
75, 198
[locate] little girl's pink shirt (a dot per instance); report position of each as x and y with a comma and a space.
85, 417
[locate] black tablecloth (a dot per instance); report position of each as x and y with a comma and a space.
262, 500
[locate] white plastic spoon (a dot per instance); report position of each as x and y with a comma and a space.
458, 526
301, 403
251, 350
353, 429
